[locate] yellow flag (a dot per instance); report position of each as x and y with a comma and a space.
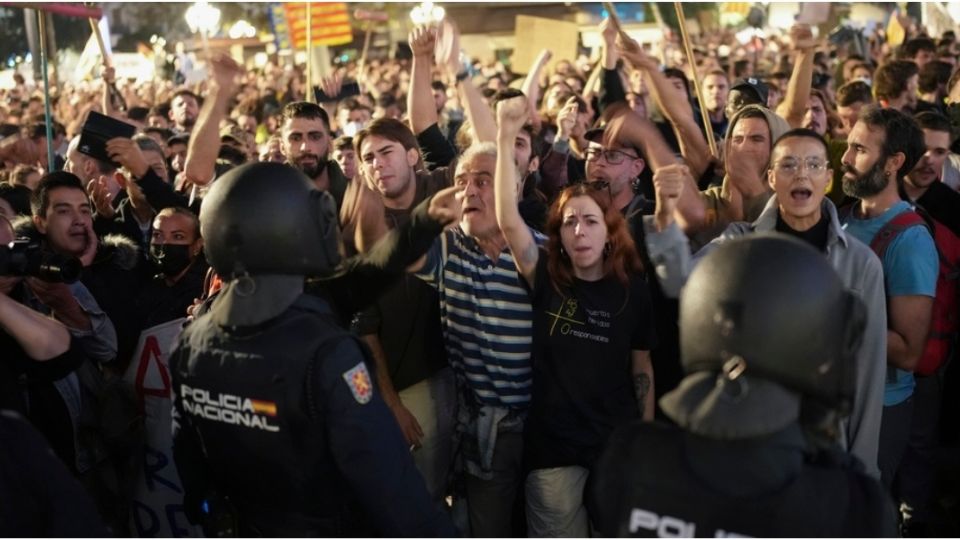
895, 31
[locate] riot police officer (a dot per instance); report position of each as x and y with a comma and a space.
767, 336
278, 428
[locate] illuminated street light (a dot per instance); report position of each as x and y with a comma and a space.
203, 18
242, 29
427, 13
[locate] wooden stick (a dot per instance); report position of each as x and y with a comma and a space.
657, 16
366, 47
688, 50
615, 19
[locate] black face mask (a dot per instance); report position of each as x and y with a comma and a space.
171, 258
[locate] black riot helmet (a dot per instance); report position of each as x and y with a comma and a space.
267, 218
771, 307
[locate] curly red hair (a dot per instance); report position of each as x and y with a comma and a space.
621, 258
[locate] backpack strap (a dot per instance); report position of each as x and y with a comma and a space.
884, 237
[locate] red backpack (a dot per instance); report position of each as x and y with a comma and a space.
944, 318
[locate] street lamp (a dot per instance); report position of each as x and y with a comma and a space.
242, 29
203, 18
427, 13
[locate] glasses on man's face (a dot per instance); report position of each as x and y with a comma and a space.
791, 166
613, 157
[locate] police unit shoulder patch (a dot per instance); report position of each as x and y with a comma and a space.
358, 380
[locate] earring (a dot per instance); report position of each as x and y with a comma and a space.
606, 250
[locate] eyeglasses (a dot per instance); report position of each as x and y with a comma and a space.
613, 157
791, 166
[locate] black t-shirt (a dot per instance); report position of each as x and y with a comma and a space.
816, 236
582, 365
406, 317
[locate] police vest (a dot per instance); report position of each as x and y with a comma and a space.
245, 396
643, 487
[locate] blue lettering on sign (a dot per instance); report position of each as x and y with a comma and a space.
174, 510
141, 511
153, 469
148, 524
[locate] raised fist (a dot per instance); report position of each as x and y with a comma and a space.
423, 40
513, 113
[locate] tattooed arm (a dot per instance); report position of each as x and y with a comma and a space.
643, 383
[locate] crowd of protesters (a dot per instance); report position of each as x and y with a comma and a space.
548, 316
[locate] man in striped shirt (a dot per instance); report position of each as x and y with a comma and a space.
487, 327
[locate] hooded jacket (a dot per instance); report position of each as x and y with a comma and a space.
719, 211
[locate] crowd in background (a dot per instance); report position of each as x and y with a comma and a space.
548, 316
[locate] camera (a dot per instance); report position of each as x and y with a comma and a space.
23, 257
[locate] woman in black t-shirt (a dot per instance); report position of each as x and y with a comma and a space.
592, 332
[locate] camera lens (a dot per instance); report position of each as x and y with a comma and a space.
55, 268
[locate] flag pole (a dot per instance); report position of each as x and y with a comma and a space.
688, 50
46, 89
310, 94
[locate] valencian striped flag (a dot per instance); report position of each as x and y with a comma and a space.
330, 25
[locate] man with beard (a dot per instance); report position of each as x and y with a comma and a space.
916, 479
923, 185
883, 147
184, 109
895, 85
305, 141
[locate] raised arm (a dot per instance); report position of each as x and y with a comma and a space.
611, 88
512, 113
693, 145
593, 82
667, 246
331, 86
531, 84
794, 106
628, 127
205, 140
106, 98
420, 106
478, 114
